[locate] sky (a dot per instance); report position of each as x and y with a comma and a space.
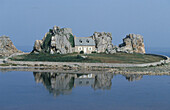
25, 21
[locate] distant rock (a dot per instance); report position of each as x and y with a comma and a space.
103, 42
57, 40
133, 43
7, 47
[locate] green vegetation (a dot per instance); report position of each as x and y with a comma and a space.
71, 40
51, 30
91, 58
47, 42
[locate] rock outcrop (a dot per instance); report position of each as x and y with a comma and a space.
103, 42
133, 43
61, 40
57, 40
7, 47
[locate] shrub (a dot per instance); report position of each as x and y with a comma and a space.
93, 52
41, 64
79, 57
51, 30
47, 42
71, 40
81, 52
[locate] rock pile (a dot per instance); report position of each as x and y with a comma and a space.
57, 40
133, 43
61, 40
103, 42
7, 47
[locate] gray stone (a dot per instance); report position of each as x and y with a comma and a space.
7, 48
55, 41
133, 43
103, 42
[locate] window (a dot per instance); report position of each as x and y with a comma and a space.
80, 41
90, 48
87, 41
80, 48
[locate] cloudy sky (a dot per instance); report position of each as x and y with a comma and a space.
28, 20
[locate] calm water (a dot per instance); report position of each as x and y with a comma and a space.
55, 91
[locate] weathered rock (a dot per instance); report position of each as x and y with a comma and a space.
61, 40
103, 42
133, 43
7, 47
55, 41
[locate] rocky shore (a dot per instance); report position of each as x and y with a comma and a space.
149, 70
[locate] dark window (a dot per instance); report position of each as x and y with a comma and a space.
87, 41
80, 41
87, 82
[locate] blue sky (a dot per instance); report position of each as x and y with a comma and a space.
28, 20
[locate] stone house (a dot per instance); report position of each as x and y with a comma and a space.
85, 44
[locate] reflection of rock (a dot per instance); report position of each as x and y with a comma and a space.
58, 83
133, 77
103, 81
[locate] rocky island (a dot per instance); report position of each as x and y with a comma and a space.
60, 48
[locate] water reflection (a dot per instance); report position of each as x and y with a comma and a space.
133, 77
63, 83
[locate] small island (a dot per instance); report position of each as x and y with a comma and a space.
60, 48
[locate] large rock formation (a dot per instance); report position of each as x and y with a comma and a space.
133, 43
61, 40
103, 42
55, 41
7, 47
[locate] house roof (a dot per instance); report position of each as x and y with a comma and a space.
84, 41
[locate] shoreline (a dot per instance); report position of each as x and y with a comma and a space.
155, 70
161, 67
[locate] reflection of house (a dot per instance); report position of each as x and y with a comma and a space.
63, 83
85, 44
84, 80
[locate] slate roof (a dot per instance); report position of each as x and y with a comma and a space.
84, 41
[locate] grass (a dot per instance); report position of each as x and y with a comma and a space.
91, 58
